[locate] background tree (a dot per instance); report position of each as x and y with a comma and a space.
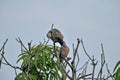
40, 62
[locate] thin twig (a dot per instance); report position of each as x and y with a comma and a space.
66, 73
94, 66
22, 45
3, 45
67, 62
52, 26
29, 58
7, 63
85, 50
73, 61
86, 63
110, 75
91, 59
99, 76
78, 59
2, 49
74, 54
83, 76
84, 70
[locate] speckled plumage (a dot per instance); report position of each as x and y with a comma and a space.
55, 35
64, 50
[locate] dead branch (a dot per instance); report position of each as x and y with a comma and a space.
93, 62
52, 26
102, 63
7, 63
109, 73
82, 71
3, 57
73, 61
85, 50
22, 45
2, 50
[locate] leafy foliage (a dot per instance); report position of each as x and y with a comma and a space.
42, 62
38, 63
117, 71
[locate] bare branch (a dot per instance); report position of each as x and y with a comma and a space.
83, 76
78, 59
7, 63
86, 63
85, 50
66, 73
82, 70
73, 61
99, 76
52, 26
93, 63
94, 66
109, 74
2, 48
74, 54
67, 62
21, 43
29, 59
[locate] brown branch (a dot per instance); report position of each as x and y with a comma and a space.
99, 76
52, 26
63, 68
21, 43
91, 59
84, 70
74, 54
73, 66
78, 59
7, 63
67, 62
86, 63
83, 76
85, 50
66, 73
94, 66
73, 61
110, 75
2, 48
29, 59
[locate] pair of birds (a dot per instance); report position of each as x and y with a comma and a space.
56, 36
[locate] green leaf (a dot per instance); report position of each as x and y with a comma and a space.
118, 63
20, 76
118, 73
33, 77
22, 57
42, 65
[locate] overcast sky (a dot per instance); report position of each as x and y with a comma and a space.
95, 21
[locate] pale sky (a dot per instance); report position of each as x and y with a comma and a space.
95, 21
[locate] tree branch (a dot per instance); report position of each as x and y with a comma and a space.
73, 61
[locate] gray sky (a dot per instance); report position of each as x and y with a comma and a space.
95, 21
